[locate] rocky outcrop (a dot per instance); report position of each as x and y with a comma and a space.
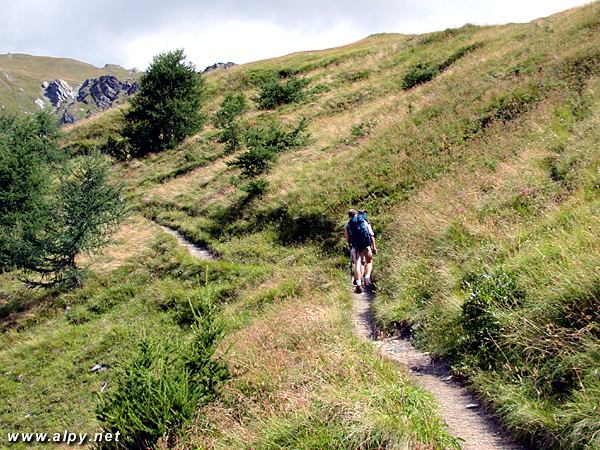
94, 94
219, 66
58, 92
67, 118
104, 91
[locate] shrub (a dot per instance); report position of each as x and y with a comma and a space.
255, 161
166, 108
159, 388
117, 148
419, 74
275, 137
232, 107
458, 54
509, 106
256, 188
275, 92
481, 328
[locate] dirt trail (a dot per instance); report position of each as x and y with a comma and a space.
195, 251
459, 409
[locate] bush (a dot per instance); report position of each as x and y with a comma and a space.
275, 137
256, 188
275, 92
419, 74
226, 118
117, 148
481, 329
159, 388
232, 107
166, 108
255, 161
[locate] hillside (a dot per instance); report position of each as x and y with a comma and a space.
21, 78
475, 151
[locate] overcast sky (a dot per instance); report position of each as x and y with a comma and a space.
129, 33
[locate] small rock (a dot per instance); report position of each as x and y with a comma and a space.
448, 378
99, 367
472, 406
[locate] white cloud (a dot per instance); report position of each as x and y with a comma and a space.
236, 41
131, 32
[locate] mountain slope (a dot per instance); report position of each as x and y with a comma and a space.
21, 78
482, 184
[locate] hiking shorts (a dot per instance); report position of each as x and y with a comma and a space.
363, 252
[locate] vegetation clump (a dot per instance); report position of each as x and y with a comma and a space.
227, 119
276, 92
166, 108
159, 388
265, 143
47, 221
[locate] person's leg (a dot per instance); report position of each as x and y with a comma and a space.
353, 265
368, 253
358, 268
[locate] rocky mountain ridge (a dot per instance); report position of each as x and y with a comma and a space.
94, 94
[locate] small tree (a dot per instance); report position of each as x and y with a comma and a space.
86, 211
27, 150
255, 161
166, 108
226, 118
42, 230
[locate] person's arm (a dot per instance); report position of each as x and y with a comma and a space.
346, 235
370, 230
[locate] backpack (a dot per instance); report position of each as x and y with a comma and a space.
357, 230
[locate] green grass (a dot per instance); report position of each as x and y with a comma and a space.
482, 184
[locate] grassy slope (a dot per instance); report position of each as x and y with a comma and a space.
491, 167
21, 76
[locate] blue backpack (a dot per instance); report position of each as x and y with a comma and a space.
359, 233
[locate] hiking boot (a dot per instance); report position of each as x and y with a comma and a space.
358, 290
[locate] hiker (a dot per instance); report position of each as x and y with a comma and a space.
361, 240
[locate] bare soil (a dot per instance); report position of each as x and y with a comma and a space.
461, 411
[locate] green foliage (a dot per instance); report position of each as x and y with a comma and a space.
351, 77
159, 388
166, 108
274, 136
419, 74
458, 54
232, 107
255, 161
226, 118
85, 213
481, 328
256, 188
117, 148
264, 143
43, 231
28, 150
509, 106
275, 92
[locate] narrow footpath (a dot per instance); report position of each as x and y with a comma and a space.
458, 407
